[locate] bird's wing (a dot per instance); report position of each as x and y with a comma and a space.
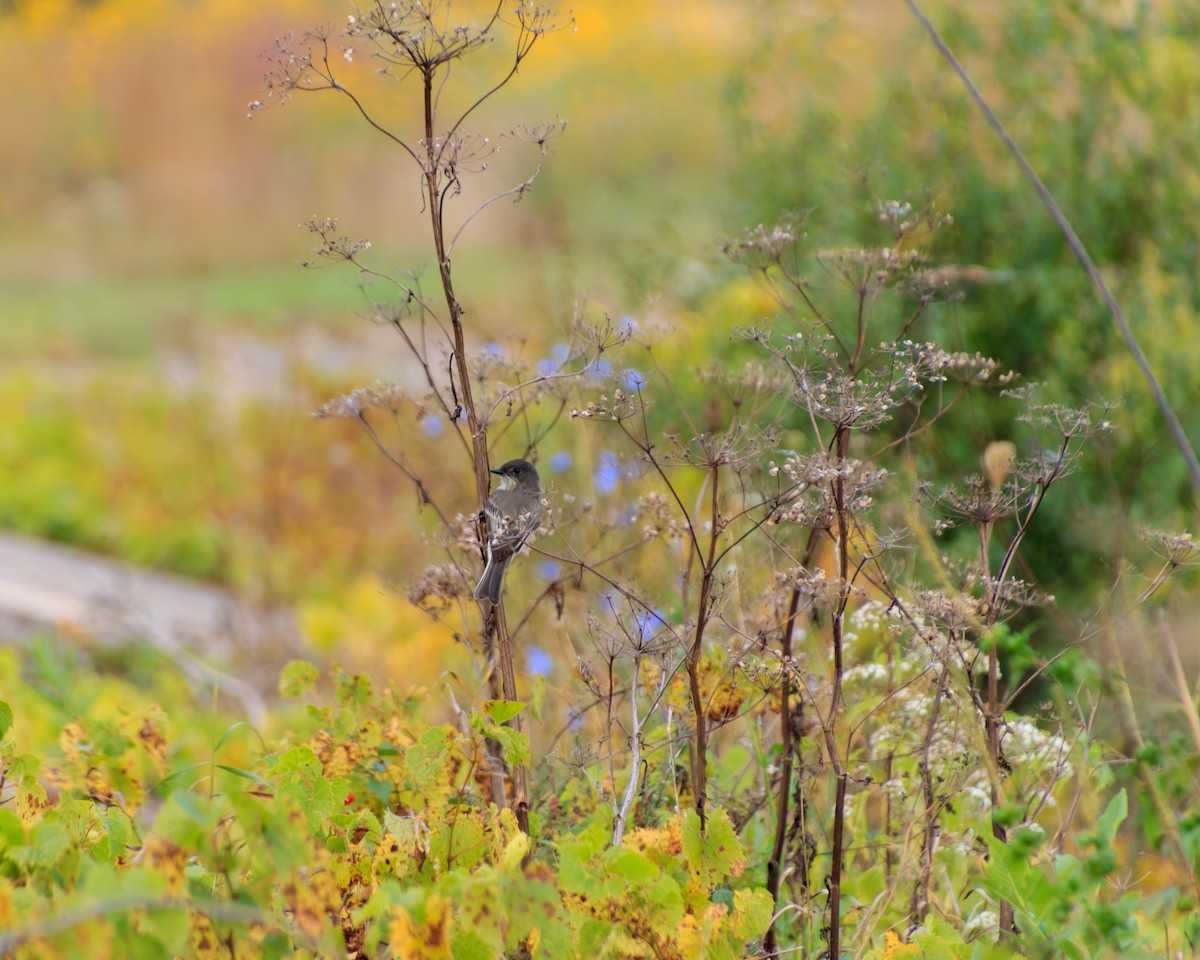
510, 522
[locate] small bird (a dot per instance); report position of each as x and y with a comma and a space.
513, 512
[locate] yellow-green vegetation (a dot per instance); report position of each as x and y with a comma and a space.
173, 479
833, 642
353, 825
354, 831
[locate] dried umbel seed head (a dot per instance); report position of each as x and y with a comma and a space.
998, 460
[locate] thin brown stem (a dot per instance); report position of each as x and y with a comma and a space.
775, 864
707, 572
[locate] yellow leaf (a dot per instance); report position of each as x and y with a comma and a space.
427, 940
894, 949
155, 744
514, 853
167, 859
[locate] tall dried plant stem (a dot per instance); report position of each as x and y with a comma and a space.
460, 386
775, 864
920, 894
993, 708
699, 713
520, 792
842, 537
621, 821
460, 381
788, 730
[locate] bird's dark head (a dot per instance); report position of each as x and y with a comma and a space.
518, 474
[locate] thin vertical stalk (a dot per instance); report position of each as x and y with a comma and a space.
920, 894
495, 624
775, 864
458, 370
520, 796
699, 714
842, 519
635, 758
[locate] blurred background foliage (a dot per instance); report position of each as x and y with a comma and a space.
163, 348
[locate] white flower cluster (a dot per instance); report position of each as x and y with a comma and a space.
354, 404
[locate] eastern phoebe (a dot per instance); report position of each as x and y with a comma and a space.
513, 512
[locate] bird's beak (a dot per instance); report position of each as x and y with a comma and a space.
496, 472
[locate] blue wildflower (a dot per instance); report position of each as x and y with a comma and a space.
599, 370
649, 623
553, 363
432, 425
608, 474
633, 380
538, 661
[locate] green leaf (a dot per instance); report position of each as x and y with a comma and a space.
168, 783
117, 835
297, 760
501, 711
353, 688
194, 806
1009, 877
732, 762
468, 945
935, 947
12, 832
514, 743
711, 857
577, 871
667, 901
1112, 817
632, 866
6, 718
23, 767
244, 774
234, 727
538, 696
752, 910
48, 843
426, 759
316, 794
595, 936
169, 927
186, 818
297, 678
867, 884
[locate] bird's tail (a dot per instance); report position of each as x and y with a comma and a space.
490, 583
